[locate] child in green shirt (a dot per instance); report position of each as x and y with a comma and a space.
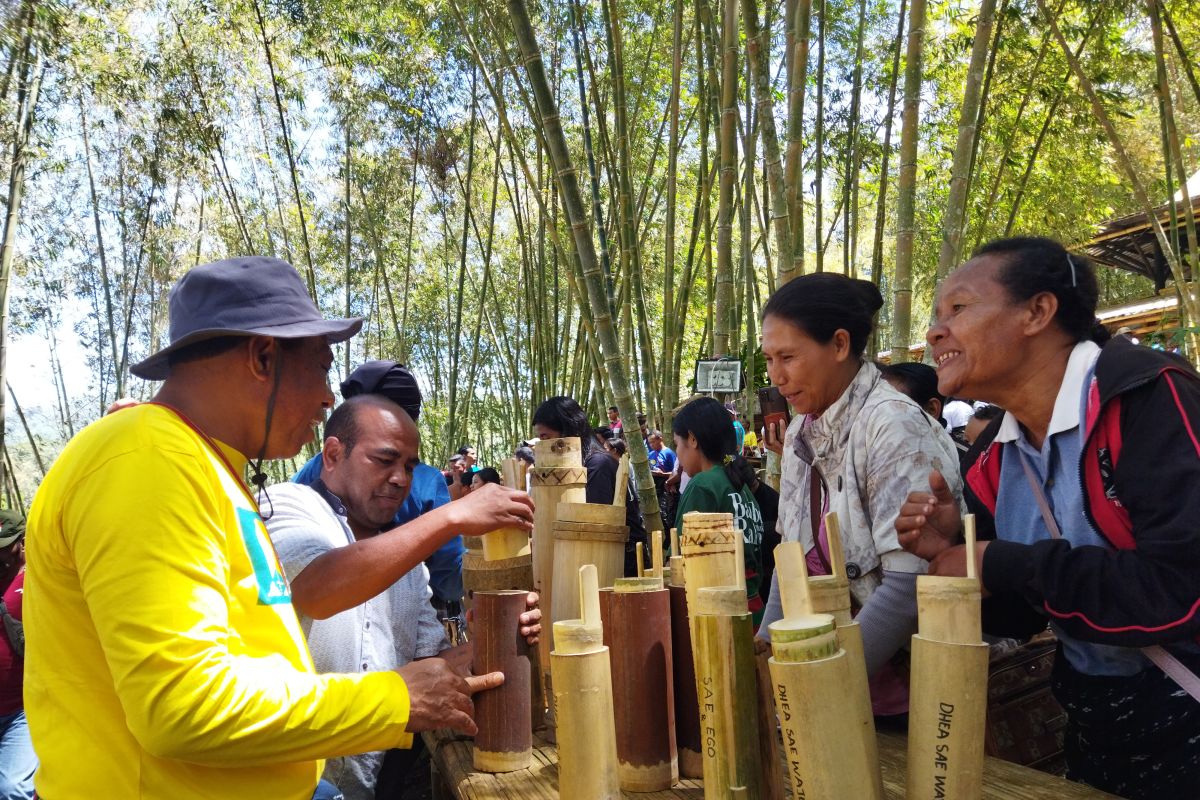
705, 446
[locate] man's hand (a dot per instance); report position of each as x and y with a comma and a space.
929, 523
491, 507
530, 622
773, 435
441, 698
952, 563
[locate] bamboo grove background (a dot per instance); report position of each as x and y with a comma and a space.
534, 198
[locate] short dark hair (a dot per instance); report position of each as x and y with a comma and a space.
462, 451
919, 381
564, 416
343, 423
822, 303
1030, 265
654, 433
524, 454
207, 348
614, 408
487, 475
988, 413
709, 422
618, 446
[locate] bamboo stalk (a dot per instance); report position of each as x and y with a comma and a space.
504, 742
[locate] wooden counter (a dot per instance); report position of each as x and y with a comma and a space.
454, 778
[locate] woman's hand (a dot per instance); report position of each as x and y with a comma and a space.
952, 563
929, 523
773, 435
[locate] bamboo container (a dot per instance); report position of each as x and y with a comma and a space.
637, 630
583, 699
687, 711
801, 595
825, 750
504, 742
710, 550
948, 688
505, 543
598, 543
770, 781
481, 575
723, 651
558, 476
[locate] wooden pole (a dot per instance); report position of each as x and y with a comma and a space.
504, 742
583, 700
948, 688
826, 750
637, 631
723, 651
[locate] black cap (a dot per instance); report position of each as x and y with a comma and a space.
392, 380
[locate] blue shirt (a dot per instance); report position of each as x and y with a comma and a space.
1056, 467
740, 433
428, 491
663, 460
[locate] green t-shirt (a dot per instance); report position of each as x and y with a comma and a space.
711, 492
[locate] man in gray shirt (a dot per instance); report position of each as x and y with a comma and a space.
362, 592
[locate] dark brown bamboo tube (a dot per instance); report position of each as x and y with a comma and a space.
505, 739
687, 710
637, 631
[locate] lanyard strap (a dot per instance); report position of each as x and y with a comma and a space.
1169, 664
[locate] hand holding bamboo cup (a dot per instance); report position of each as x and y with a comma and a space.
948, 687
583, 699
508, 542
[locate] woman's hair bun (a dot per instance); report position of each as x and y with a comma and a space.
868, 292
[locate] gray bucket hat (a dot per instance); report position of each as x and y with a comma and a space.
248, 296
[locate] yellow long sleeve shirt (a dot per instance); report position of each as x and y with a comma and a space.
164, 658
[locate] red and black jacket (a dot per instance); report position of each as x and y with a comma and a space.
1139, 473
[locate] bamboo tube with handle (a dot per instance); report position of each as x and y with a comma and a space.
825, 750
504, 742
583, 700
504, 543
948, 688
723, 651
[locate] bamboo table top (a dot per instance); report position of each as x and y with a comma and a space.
451, 754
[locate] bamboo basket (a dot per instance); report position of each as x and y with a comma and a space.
637, 631
504, 742
723, 651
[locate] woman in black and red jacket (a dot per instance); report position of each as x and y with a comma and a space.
1091, 485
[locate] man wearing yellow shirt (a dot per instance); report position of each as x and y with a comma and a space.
164, 658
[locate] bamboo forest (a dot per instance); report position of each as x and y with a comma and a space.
526, 199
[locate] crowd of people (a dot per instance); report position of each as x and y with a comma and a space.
189, 631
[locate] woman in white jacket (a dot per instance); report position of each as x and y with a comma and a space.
858, 447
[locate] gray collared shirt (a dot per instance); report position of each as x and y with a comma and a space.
388, 631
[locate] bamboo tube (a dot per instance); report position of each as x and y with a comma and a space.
506, 543
825, 748
640, 557
709, 547
622, 482
583, 699
573, 549
687, 711
637, 631
656, 554
589, 513
480, 575
677, 573
504, 742
558, 476
725, 678
770, 781
739, 551
948, 688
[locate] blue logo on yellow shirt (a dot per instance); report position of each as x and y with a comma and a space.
272, 586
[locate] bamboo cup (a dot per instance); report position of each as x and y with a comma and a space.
637, 631
505, 543
710, 553
558, 476
725, 678
504, 742
825, 749
600, 542
948, 688
676, 560
583, 699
